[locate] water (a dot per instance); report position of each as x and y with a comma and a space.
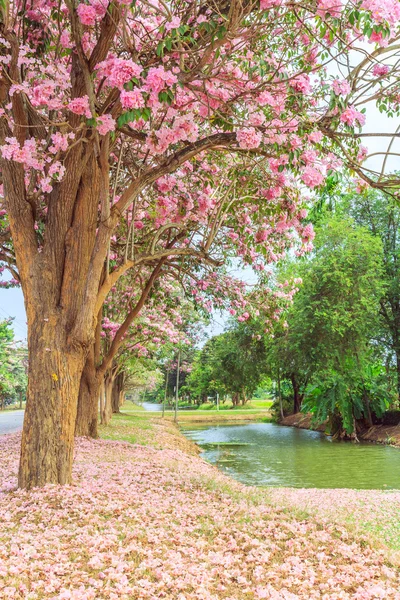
265, 454
152, 407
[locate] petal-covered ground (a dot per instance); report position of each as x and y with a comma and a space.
143, 522
371, 514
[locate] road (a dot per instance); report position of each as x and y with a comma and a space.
11, 420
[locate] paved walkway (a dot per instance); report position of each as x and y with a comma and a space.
11, 420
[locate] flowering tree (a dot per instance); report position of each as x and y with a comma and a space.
167, 318
100, 100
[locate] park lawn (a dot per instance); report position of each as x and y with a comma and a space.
152, 520
254, 404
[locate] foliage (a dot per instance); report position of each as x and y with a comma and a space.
231, 363
13, 379
326, 342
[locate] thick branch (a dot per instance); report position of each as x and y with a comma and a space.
119, 336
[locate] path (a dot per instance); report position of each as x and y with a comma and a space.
11, 420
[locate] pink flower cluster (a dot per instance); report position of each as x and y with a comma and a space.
80, 106
105, 124
184, 128
248, 138
132, 99
351, 116
158, 79
341, 87
332, 8
90, 13
27, 154
118, 71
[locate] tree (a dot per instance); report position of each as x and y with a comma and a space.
231, 363
94, 111
334, 319
381, 216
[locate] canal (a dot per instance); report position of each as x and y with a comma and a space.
266, 454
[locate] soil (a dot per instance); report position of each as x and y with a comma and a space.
379, 434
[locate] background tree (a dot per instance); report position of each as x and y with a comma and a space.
381, 216
13, 367
231, 363
333, 321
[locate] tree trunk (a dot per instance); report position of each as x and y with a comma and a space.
297, 398
49, 423
368, 407
280, 395
398, 372
117, 392
102, 401
88, 402
108, 385
89, 392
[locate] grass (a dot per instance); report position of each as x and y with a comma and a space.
254, 404
12, 407
130, 427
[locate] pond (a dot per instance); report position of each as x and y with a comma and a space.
266, 454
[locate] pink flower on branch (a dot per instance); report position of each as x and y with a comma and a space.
330, 8
105, 124
248, 138
351, 116
80, 106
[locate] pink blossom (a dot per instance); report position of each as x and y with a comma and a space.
301, 83
312, 177
87, 14
351, 116
119, 71
80, 106
341, 87
261, 235
380, 70
132, 99
158, 79
267, 4
315, 136
332, 8
65, 40
173, 24
383, 10
106, 124
248, 138
308, 233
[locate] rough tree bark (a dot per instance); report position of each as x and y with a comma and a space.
53, 291
49, 422
89, 391
88, 403
117, 391
108, 386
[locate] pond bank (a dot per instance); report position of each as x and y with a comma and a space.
379, 434
225, 416
151, 520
